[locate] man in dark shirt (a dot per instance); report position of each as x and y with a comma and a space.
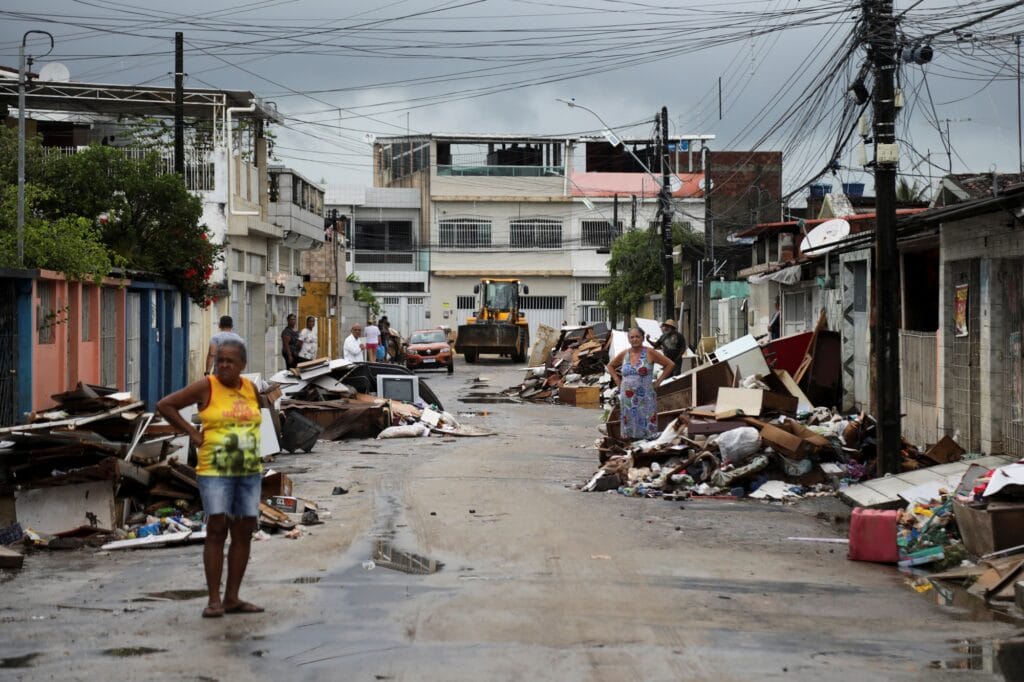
291, 344
671, 343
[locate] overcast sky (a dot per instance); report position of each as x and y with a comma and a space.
342, 70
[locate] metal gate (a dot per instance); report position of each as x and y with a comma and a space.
8, 353
108, 337
133, 344
965, 387
549, 310
1013, 358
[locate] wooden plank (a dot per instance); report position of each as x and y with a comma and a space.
74, 422
10, 559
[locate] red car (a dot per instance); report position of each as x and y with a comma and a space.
429, 349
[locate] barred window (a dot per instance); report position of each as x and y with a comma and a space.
390, 300
466, 302
535, 233
87, 313
46, 313
599, 232
542, 302
589, 290
467, 233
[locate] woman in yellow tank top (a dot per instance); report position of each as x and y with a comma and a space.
229, 470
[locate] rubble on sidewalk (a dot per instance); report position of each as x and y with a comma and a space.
569, 368
751, 415
335, 399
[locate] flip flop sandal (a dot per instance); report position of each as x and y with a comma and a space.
213, 612
243, 607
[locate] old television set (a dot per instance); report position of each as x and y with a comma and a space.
398, 387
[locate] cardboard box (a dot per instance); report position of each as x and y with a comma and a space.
793, 439
275, 484
751, 402
984, 531
580, 396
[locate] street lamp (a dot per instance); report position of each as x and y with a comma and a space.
21, 138
609, 133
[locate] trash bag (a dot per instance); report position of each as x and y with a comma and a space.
409, 431
738, 444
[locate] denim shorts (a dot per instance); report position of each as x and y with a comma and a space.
236, 496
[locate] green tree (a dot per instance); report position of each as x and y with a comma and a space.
635, 270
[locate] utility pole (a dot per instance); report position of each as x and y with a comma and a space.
881, 32
666, 221
1020, 146
179, 103
22, 77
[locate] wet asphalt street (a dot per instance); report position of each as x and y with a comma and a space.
474, 559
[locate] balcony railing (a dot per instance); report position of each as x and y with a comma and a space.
501, 171
199, 168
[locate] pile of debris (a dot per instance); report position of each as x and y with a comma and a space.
95, 465
326, 399
752, 420
570, 370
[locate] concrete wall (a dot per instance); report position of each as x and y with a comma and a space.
986, 240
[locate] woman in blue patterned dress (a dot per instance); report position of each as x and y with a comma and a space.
632, 370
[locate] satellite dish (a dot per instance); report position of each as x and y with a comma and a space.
369, 138
825, 237
675, 184
55, 72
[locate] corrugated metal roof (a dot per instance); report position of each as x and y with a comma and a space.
793, 225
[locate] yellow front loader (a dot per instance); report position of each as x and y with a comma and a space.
499, 327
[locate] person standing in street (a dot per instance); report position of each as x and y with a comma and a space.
775, 323
632, 370
229, 472
291, 344
371, 338
308, 338
384, 348
671, 343
353, 349
226, 331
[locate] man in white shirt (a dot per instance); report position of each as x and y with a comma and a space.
309, 340
353, 349
372, 338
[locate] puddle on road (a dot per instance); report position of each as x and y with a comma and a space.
1002, 657
386, 556
24, 661
129, 651
176, 595
959, 604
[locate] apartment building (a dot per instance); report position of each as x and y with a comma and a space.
541, 209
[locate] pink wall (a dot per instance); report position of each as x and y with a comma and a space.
84, 334
49, 359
